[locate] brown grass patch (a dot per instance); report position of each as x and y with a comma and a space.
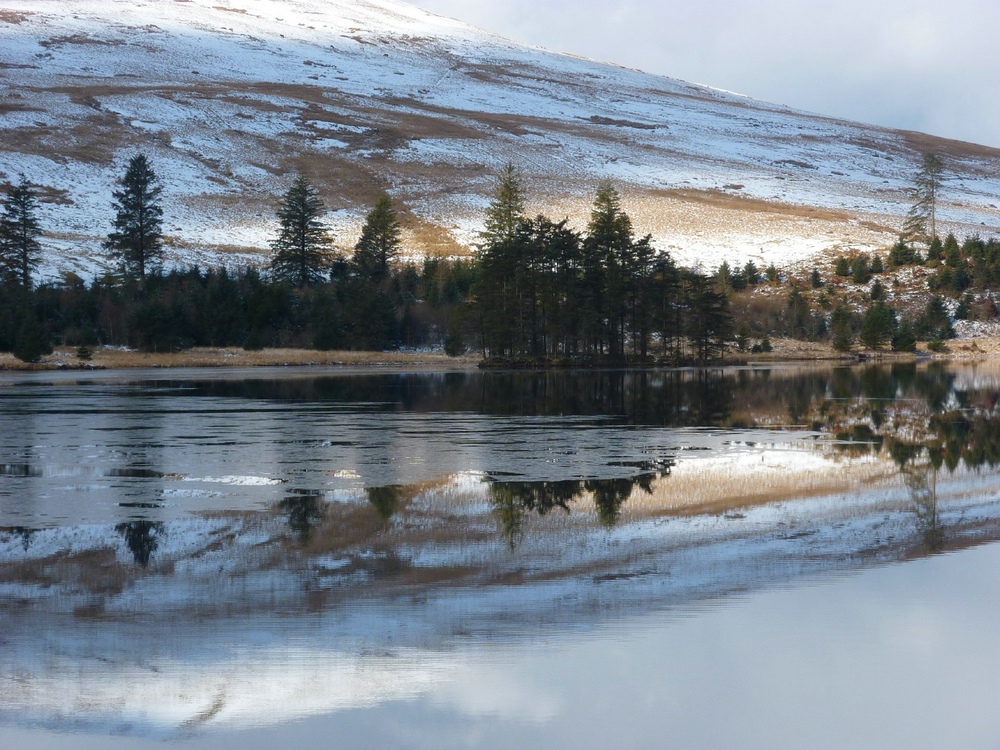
58, 41
433, 240
923, 143
113, 359
729, 202
14, 17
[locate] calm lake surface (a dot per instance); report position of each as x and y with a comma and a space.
756, 558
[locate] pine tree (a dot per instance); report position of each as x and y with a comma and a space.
607, 257
380, 241
302, 249
501, 259
879, 326
921, 221
19, 232
137, 240
506, 212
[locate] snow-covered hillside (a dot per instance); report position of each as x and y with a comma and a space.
231, 98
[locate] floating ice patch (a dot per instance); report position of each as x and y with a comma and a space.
238, 481
182, 494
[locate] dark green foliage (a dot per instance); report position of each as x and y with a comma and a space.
935, 323
935, 250
964, 308
31, 343
815, 280
136, 242
506, 211
902, 254
188, 308
302, 250
709, 325
20, 229
545, 291
952, 252
877, 293
878, 265
772, 273
724, 276
904, 339
369, 318
379, 244
878, 326
938, 346
842, 267
860, 269
844, 327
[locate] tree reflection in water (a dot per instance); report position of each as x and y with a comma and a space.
514, 502
141, 538
385, 500
304, 509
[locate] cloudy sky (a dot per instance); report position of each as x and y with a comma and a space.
918, 64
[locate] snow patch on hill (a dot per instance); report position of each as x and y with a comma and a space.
232, 98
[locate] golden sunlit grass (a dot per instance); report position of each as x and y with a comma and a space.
113, 359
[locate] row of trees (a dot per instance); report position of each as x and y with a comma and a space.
538, 289
545, 290
303, 252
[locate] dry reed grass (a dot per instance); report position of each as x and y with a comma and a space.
115, 359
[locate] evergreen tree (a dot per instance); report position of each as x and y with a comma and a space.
608, 251
137, 240
19, 232
502, 253
380, 241
506, 211
921, 223
904, 340
879, 326
302, 249
842, 329
31, 343
860, 270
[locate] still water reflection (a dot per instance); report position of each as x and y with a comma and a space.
481, 559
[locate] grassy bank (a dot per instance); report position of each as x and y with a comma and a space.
784, 350
116, 358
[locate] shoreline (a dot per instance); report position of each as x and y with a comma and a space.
785, 351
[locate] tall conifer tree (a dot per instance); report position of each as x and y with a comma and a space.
380, 241
921, 221
303, 253
19, 232
137, 239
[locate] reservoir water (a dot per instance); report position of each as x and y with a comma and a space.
755, 557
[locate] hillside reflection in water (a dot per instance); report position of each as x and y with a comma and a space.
182, 554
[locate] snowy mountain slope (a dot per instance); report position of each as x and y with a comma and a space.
230, 98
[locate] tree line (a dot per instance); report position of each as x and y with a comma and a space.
547, 292
536, 289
